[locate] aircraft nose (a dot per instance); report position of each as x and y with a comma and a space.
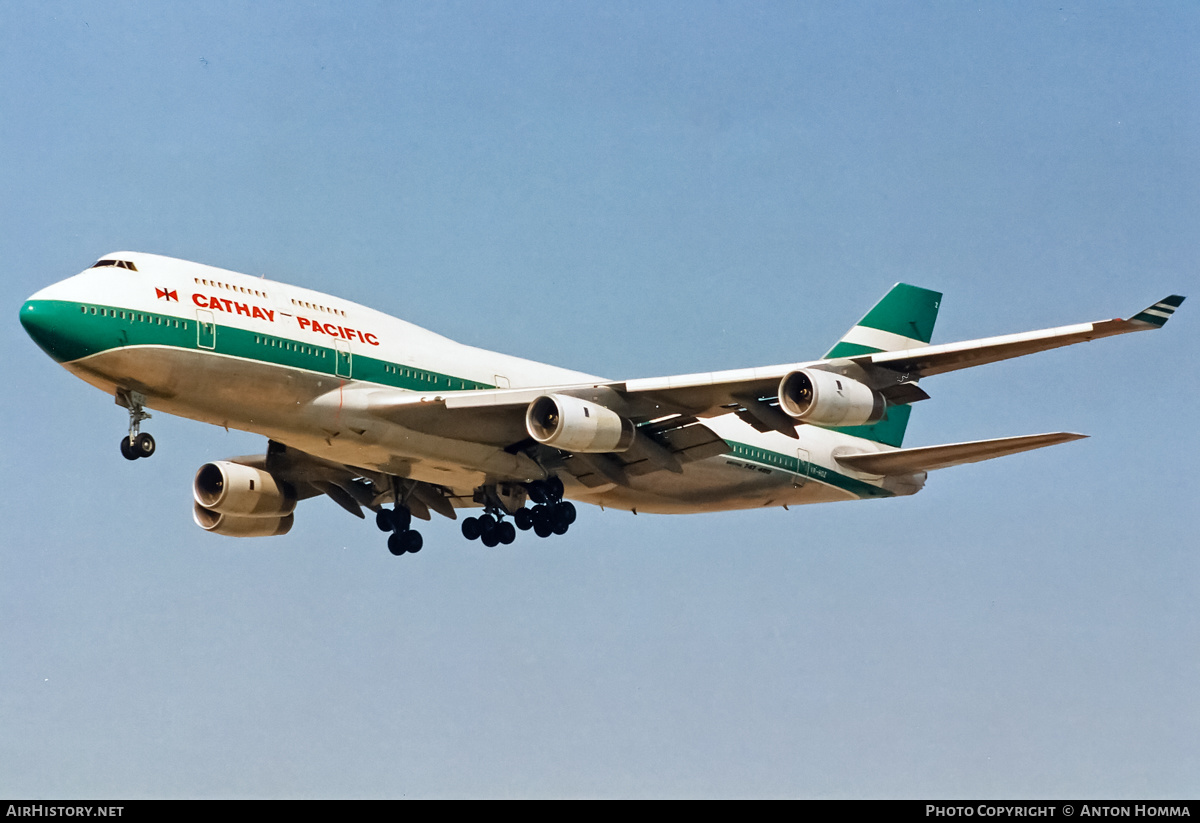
40, 322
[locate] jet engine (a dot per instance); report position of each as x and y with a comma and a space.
827, 399
241, 501
232, 525
576, 425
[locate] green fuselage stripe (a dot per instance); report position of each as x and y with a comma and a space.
84, 330
812, 471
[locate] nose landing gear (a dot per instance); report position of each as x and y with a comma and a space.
138, 443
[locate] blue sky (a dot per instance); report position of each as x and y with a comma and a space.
630, 190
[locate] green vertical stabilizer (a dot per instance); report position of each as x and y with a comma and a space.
903, 319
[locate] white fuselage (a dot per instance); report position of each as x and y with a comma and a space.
298, 366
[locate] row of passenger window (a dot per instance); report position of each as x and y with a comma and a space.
200, 281
135, 317
280, 343
316, 307
430, 377
288, 345
774, 458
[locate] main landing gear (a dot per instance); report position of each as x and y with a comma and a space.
549, 515
138, 443
398, 521
500, 521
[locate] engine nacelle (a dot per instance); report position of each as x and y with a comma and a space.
827, 399
231, 488
233, 525
575, 425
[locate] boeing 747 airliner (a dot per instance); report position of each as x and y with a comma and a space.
382, 415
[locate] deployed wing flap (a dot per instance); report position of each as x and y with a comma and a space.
682, 439
694, 441
662, 445
928, 458
433, 499
593, 470
350, 487
340, 496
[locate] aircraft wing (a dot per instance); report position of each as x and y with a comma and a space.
717, 392
351, 488
664, 439
752, 394
668, 411
931, 360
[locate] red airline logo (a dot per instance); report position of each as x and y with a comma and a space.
337, 331
224, 304
233, 307
168, 295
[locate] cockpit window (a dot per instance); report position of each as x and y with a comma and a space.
124, 264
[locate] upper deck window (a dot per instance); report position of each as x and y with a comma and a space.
200, 281
124, 264
316, 307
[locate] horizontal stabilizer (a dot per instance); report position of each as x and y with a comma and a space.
928, 458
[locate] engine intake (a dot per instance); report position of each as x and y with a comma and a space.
827, 399
576, 425
231, 488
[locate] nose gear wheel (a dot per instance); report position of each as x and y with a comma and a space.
137, 443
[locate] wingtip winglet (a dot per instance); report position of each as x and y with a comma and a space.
1158, 314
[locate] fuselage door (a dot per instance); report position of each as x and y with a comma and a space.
343, 363
206, 329
800, 477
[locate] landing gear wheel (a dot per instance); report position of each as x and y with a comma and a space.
537, 491
524, 519
136, 444
470, 528
383, 520
487, 530
401, 518
412, 541
561, 516
491, 538
554, 488
568, 511
143, 445
506, 532
405, 542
